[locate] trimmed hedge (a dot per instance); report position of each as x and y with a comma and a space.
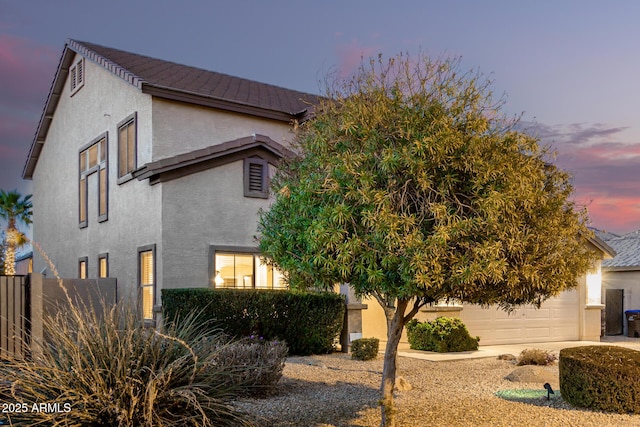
444, 334
309, 322
602, 378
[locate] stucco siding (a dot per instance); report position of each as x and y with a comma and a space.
180, 128
133, 208
200, 210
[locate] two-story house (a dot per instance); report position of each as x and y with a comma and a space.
153, 172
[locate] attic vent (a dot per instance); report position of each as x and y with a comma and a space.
255, 178
76, 76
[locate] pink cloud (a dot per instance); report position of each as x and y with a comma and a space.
350, 56
605, 171
26, 71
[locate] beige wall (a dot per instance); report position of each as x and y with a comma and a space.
180, 128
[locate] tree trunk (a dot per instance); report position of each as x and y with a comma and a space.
395, 324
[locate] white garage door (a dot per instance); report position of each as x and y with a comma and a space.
556, 320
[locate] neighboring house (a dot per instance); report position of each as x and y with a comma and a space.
24, 263
153, 172
621, 280
571, 316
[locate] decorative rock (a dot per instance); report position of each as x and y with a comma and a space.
533, 374
402, 384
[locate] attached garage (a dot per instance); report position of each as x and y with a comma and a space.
556, 320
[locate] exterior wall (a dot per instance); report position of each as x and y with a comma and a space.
200, 210
134, 214
180, 128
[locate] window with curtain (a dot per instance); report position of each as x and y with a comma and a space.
127, 141
147, 283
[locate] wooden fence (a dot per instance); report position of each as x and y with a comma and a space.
25, 299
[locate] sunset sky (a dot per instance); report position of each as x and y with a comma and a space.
571, 68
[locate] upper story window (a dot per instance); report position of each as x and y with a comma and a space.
93, 158
127, 147
256, 182
76, 75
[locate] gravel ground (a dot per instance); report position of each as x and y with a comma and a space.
334, 390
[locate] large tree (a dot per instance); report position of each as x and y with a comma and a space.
412, 186
14, 208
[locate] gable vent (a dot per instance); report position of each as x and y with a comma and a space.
255, 178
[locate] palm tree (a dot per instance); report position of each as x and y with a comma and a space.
13, 208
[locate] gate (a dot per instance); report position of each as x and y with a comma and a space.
613, 311
15, 315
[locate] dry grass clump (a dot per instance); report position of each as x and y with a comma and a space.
535, 356
104, 368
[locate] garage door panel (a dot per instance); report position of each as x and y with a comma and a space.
556, 320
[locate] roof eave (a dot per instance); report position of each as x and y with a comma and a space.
221, 104
47, 113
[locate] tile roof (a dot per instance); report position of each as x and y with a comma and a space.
627, 247
144, 71
173, 81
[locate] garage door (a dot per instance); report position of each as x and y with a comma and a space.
556, 320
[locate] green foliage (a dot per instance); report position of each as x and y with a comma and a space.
111, 370
365, 348
444, 334
601, 378
309, 322
535, 356
410, 183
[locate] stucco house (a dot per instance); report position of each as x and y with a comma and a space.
621, 280
152, 172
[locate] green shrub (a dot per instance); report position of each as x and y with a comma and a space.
111, 370
536, 356
444, 334
602, 378
309, 322
365, 348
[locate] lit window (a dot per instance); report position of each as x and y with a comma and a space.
103, 265
240, 270
82, 268
147, 284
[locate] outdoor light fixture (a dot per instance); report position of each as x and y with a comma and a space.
547, 387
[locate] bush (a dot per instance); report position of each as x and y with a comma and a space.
536, 356
105, 368
309, 322
444, 334
365, 348
601, 377
262, 362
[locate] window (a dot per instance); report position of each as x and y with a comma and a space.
82, 267
255, 178
243, 269
103, 265
93, 158
127, 148
146, 278
76, 76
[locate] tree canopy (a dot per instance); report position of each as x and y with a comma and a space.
412, 186
14, 208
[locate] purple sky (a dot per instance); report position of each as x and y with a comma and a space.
570, 67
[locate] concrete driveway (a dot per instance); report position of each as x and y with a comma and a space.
515, 349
